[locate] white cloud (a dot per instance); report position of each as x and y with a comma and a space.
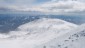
65, 7
61, 7
16, 2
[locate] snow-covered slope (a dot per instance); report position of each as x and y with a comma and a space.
36, 33
73, 39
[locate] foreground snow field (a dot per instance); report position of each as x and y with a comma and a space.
45, 33
73, 39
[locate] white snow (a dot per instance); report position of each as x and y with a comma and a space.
73, 39
36, 34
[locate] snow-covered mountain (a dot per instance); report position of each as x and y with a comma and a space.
36, 33
40, 26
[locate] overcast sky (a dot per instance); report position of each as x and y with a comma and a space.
21, 2
4, 3
46, 5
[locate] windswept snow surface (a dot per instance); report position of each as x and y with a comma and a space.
73, 39
45, 33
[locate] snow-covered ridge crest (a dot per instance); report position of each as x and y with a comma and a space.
47, 23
